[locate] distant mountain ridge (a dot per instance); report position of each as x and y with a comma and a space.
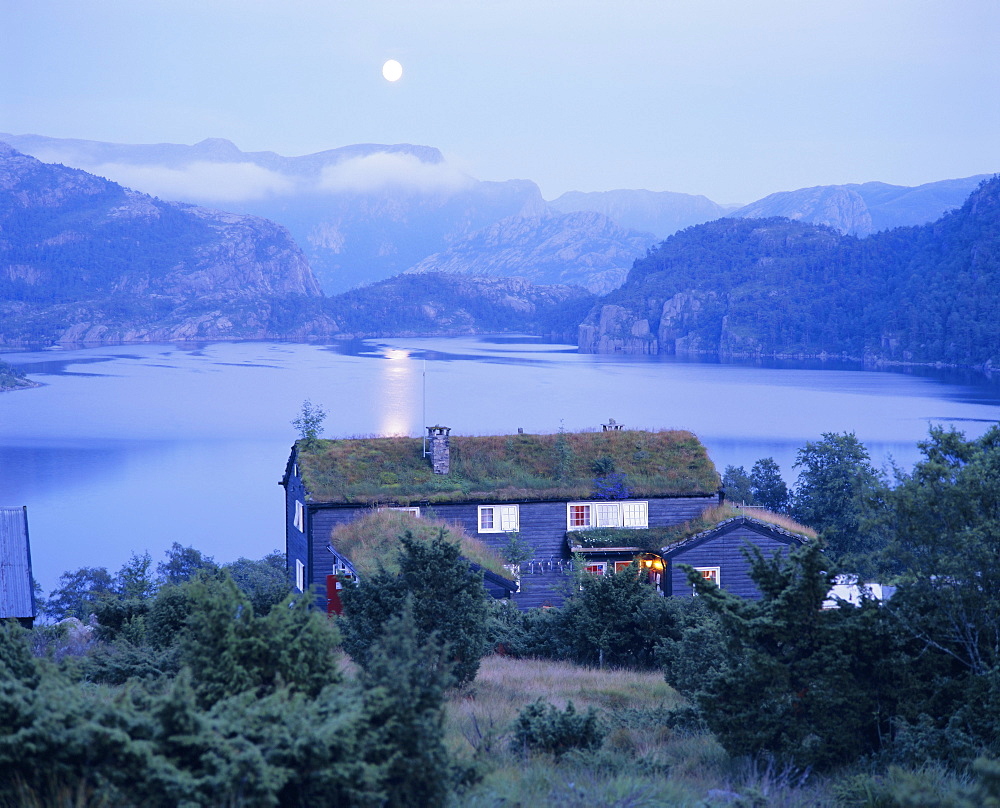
581, 249
83, 259
860, 210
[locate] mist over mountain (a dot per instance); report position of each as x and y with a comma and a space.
83, 259
775, 287
582, 249
360, 213
860, 210
661, 213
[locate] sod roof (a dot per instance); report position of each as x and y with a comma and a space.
507, 468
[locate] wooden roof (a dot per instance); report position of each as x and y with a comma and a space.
17, 598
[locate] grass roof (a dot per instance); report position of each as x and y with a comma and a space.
654, 539
373, 540
507, 468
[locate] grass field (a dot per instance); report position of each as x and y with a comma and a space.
642, 762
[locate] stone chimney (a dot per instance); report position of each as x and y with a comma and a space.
437, 437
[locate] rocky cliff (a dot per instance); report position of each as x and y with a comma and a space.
582, 249
83, 259
661, 213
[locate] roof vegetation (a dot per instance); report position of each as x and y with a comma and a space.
654, 539
508, 468
372, 542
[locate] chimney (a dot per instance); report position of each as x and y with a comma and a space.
440, 452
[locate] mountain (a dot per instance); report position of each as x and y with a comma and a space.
583, 249
360, 213
83, 259
775, 287
860, 210
661, 213
440, 303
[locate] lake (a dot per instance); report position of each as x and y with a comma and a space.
130, 448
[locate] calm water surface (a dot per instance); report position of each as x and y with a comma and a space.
128, 449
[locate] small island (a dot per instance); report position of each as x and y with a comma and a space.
12, 378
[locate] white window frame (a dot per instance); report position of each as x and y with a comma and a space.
714, 575
624, 513
300, 575
411, 509
595, 567
300, 517
500, 518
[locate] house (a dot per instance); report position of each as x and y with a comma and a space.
719, 553
17, 595
539, 487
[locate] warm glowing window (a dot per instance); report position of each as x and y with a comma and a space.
621, 566
583, 515
499, 518
710, 574
300, 516
596, 567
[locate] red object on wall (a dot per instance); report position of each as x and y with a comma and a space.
334, 583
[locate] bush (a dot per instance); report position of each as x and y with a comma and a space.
541, 727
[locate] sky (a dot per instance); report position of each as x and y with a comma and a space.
731, 99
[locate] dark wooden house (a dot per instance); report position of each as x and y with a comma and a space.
720, 554
17, 595
539, 487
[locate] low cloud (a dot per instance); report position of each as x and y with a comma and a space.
387, 171
200, 181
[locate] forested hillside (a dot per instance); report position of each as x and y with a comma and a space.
765, 287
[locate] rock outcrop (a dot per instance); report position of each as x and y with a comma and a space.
83, 259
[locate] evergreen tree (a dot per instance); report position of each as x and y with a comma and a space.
737, 485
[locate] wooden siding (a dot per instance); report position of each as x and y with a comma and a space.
296, 543
726, 551
545, 577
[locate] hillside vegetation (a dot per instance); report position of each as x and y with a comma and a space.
766, 287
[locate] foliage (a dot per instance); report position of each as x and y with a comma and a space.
309, 422
263, 581
737, 484
767, 487
448, 600
541, 727
231, 650
840, 494
183, 564
516, 550
371, 542
803, 684
404, 681
693, 650
515, 468
613, 485
13, 378
79, 592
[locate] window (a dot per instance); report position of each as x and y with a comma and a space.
414, 510
595, 567
710, 574
300, 517
300, 576
499, 518
583, 515
621, 566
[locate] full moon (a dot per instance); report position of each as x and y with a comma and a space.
392, 70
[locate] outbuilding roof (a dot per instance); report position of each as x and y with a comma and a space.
17, 597
507, 468
769, 528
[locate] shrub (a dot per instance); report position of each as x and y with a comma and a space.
541, 727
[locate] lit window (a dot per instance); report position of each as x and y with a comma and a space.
710, 574
583, 515
499, 518
300, 517
595, 567
300, 576
621, 566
